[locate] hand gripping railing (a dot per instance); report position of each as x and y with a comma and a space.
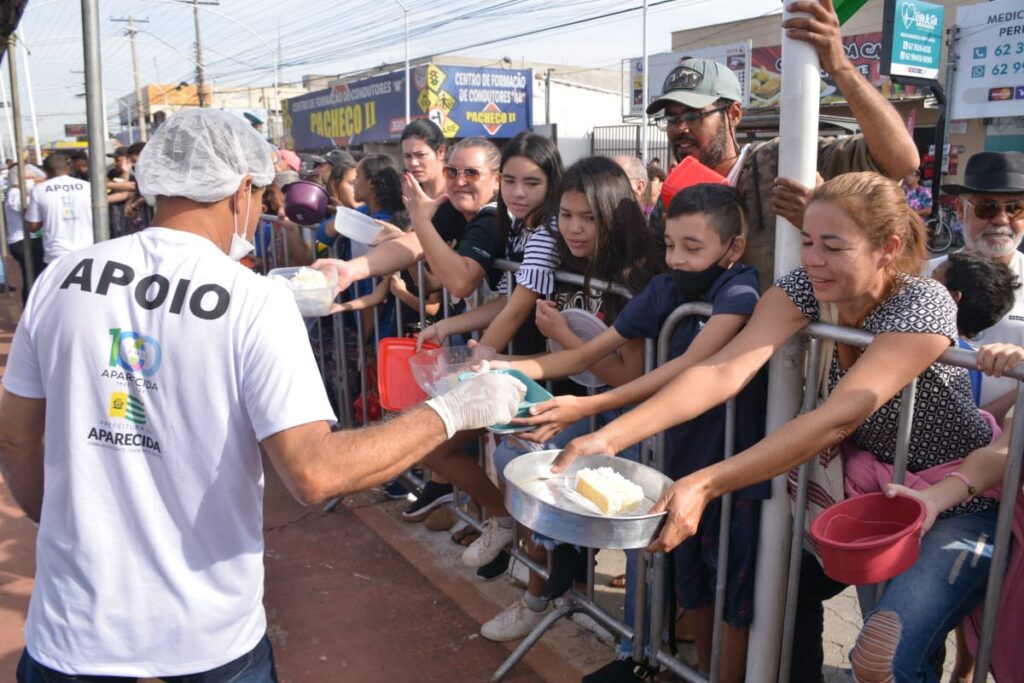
653, 452
1011, 481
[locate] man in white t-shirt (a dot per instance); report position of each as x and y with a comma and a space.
157, 368
991, 205
16, 230
62, 206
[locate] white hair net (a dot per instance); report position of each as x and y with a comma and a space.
203, 154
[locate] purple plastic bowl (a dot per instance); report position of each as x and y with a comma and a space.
305, 202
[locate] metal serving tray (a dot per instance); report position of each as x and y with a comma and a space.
537, 502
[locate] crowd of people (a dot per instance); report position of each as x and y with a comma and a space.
184, 512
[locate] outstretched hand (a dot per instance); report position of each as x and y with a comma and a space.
345, 277
551, 417
388, 231
684, 502
588, 444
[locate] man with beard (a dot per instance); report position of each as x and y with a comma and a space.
991, 205
700, 110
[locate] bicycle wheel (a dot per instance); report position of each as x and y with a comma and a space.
940, 237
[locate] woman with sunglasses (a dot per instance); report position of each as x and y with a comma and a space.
991, 200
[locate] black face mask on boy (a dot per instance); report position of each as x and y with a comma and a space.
692, 285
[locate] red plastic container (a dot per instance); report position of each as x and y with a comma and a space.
398, 390
869, 538
689, 172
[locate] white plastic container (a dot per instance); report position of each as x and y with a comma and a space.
356, 225
313, 300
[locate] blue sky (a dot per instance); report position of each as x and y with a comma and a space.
328, 37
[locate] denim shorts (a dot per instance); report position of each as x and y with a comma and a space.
255, 666
696, 561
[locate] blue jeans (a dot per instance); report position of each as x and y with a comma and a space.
255, 666
945, 584
510, 449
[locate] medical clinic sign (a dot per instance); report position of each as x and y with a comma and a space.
462, 101
990, 61
912, 39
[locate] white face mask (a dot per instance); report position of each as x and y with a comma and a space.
240, 247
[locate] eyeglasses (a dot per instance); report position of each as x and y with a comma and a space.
470, 174
988, 209
688, 119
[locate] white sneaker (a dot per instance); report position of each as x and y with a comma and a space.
513, 623
492, 541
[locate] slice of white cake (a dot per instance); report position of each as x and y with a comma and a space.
608, 490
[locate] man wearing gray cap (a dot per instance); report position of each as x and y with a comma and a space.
157, 368
700, 109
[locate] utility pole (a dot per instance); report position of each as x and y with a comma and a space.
130, 32
200, 71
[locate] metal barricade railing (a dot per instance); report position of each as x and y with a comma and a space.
650, 571
1011, 482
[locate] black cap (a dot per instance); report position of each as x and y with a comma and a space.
119, 152
991, 173
339, 156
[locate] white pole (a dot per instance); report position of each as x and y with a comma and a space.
798, 132
276, 114
31, 98
7, 115
106, 127
408, 82
646, 96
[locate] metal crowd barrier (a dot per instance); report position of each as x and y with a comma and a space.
1011, 483
651, 569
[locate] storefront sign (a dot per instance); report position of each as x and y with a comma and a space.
736, 56
864, 50
989, 78
463, 101
466, 101
912, 39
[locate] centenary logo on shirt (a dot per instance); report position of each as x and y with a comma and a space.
132, 360
134, 352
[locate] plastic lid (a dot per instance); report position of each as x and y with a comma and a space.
586, 326
398, 390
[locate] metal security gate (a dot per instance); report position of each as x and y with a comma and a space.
610, 141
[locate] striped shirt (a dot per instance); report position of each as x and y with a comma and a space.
537, 251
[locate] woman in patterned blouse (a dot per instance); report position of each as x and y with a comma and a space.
862, 248
919, 197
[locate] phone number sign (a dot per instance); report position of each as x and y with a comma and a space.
990, 61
